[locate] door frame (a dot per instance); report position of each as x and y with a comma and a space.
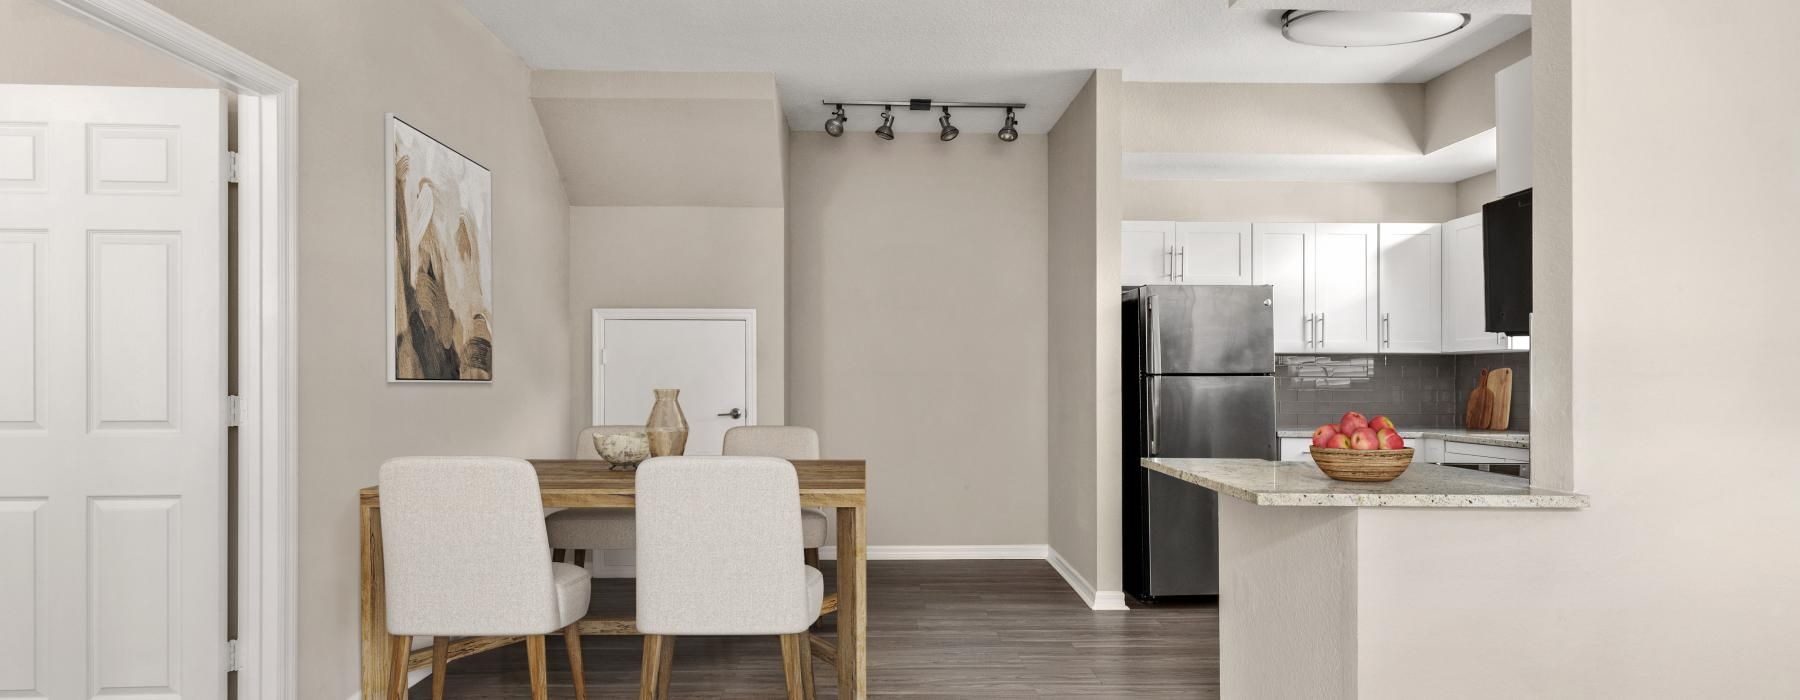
601, 316
268, 206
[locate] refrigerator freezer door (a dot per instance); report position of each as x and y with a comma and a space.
1203, 329
1212, 416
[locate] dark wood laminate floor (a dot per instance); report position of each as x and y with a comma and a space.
937, 629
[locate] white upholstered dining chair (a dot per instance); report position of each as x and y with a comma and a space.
715, 543
464, 542
580, 530
785, 442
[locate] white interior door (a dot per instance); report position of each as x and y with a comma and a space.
709, 359
1284, 259
1345, 288
112, 388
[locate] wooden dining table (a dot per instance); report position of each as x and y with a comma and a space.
564, 483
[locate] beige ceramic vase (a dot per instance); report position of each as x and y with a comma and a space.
667, 427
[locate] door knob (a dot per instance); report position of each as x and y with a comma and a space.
735, 413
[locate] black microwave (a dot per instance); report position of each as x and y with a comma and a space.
1506, 263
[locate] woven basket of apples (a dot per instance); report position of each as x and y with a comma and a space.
1359, 449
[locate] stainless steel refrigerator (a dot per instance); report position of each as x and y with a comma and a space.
1199, 381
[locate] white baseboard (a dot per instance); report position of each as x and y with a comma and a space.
934, 552
1096, 600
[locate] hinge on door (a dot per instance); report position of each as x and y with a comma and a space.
234, 411
231, 656
231, 166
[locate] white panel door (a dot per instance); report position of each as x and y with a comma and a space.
1345, 291
112, 389
1465, 310
1412, 293
1146, 252
1284, 258
1213, 253
707, 359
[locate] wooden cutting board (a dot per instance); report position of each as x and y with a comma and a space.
1500, 382
1481, 404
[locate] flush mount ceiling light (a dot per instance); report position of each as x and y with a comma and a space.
1337, 28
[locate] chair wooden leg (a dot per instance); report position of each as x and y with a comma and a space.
796, 665
659, 651
440, 665
559, 555
572, 636
400, 648
581, 558
534, 655
812, 557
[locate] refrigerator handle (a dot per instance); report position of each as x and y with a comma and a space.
1155, 339
1150, 420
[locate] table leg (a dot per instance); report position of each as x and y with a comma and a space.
376, 652
853, 604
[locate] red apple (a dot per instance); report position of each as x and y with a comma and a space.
1353, 415
1364, 439
1323, 435
1389, 440
1382, 423
1352, 422
1337, 441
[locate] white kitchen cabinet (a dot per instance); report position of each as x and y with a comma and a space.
1512, 128
1297, 450
1213, 253
1283, 258
1325, 286
1345, 290
1465, 307
1412, 292
1146, 252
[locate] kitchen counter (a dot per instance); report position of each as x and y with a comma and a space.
1496, 438
1265, 483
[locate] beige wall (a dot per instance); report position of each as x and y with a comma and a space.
1264, 118
44, 44
1474, 192
916, 296
1084, 389
678, 257
1196, 200
1681, 580
1460, 103
431, 62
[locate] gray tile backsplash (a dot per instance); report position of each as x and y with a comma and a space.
1417, 391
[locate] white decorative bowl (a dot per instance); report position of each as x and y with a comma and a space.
623, 450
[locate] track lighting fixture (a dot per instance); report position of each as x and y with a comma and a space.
835, 125
886, 130
946, 131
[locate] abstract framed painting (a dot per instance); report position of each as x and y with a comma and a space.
439, 260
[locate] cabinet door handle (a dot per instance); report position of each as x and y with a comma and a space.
1181, 266
1387, 339
1306, 331
1321, 330
1169, 263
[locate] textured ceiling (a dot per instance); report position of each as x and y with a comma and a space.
1037, 52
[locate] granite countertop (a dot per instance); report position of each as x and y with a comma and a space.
1267, 483
1497, 438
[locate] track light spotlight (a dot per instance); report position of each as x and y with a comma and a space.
835, 125
949, 132
886, 130
1010, 132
